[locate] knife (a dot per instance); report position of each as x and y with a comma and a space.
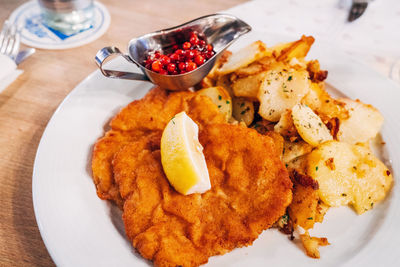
357, 9
24, 54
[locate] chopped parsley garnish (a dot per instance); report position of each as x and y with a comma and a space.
316, 168
290, 78
227, 101
219, 97
219, 106
309, 218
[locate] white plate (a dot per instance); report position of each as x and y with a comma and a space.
79, 229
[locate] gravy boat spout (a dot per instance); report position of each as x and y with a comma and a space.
220, 30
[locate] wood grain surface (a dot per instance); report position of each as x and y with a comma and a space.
27, 105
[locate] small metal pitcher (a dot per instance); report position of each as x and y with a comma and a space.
220, 30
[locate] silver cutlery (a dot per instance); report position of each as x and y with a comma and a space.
357, 9
9, 40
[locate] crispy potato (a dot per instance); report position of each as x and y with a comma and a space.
309, 126
364, 122
322, 209
243, 110
225, 82
303, 208
221, 98
218, 64
248, 86
316, 74
298, 49
294, 150
207, 82
348, 174
311, 244
285, 125
281, 90
299, 63
244, 57
252, 69
323, 104
298, 164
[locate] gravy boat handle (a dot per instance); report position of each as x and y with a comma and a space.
108, 51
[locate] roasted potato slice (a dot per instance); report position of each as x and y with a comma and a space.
348, 174
281, 90
303, 208
322, 103
248, 86
225, 82
243, 110
221, 98
244, 57
218, 64
252, 69
363, 124
309, 126
311, 244
285, 125
207, 82
298, 49
292, 150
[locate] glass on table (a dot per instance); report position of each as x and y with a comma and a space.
67, 16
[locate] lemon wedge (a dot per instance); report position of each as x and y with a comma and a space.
182, 156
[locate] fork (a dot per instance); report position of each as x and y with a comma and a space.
9, 40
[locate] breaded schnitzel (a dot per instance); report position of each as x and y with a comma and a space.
250, 187
250, 191
144, 117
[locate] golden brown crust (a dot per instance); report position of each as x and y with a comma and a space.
250, 191
142, 118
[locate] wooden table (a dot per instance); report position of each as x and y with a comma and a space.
27, 105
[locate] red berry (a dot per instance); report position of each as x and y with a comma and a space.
174, 57
199, 60
156, 66
209, 54
190, 54
174, 47
202, 43
164, 72
179, 52
196, 53
182, 66
157, 54
171, 67
190, 66
186, 45
209, 47
194, 40
165, 60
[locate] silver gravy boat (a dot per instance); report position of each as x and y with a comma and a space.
220, 30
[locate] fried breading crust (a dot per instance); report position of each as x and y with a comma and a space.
250, 191
142, 118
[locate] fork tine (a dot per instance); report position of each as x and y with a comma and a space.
11, 42
15, 50
5, 41
3, 34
